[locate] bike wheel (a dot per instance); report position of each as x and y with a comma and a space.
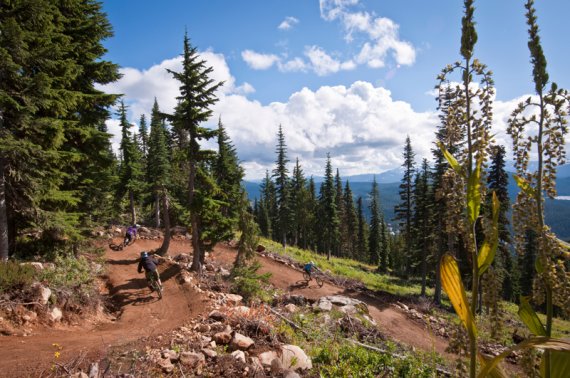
159, 290
306, 276
319, 281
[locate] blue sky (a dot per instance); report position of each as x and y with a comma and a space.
349, 77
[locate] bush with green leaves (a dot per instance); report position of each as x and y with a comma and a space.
249, 284
69, 272
15, 276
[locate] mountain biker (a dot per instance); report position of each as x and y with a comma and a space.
310, 267
131, 233
149, 264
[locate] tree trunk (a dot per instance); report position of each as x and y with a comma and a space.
166, 214
132, 204
196, 252
4, 245
424, 273
157, 209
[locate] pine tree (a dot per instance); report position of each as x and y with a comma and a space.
422, 222
159, 173
375, 235
350, 220
229, 175
268, 206
280, 174
301, 216
50, 115
143, 135
405, 208
312, 220
362, 246
131, 173
197, 95
328, 212
342, 232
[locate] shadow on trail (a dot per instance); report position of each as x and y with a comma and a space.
299, 285
169, 272
122, 262
135, 292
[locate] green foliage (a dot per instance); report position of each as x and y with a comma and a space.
249, 284
334, 360
14, 275
69, 272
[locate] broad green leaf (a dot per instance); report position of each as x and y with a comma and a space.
496, 372
453, 286
530, 319
538, 266
535, 342
525, 186
451, 160
489, 247
559, 364
474, 193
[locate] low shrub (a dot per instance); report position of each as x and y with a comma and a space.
249, 284
69, 272
15, 276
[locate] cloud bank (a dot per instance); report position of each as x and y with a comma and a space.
361, 125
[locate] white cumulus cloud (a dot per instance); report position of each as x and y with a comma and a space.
288, 23
259, 61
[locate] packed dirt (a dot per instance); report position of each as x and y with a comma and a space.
139, 313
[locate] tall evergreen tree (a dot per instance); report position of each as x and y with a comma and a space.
312, 210
280, 174
197, 95
159, 172
342, 232
50, 115
362, 249
143, 135
405, 208
328, 211
229, 175
300, 224
268, 205
376, 237
350, 220
131, 173
422, 222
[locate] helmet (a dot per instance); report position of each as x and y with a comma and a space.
137, 225
312, 263
144, 255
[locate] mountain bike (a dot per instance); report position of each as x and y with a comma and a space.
121, 245
155, 284
308, 277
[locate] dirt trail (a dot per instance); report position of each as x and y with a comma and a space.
393, 322
140, 314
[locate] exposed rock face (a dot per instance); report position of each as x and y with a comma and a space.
295, 358
291, 308
223, 338
42, 293
323, 305
239, 355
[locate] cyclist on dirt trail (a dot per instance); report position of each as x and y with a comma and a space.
131, 233
149, 264
310, 267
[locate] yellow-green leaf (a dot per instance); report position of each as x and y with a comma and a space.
453, 286
559, 364
525, 186
490, 245
474, 193
530, 319
451, 160
538, 342
496, 372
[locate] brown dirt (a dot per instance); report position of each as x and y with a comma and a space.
391, 320
140, 314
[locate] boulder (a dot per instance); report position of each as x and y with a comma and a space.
55, 315
241, 342
170, 354
192, 359
166, 365
290, 374
295, 358
217, 315
291, 308
265, 358
41, 292
223, 338
182, 257
323, 305
38, 266
94, 370
239, 355
276, 367
209, 353
348, 309
233, 299
185, 277
144, 230
224, 272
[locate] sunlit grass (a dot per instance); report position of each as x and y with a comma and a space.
350, 269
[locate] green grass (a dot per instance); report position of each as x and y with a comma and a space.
350, 269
